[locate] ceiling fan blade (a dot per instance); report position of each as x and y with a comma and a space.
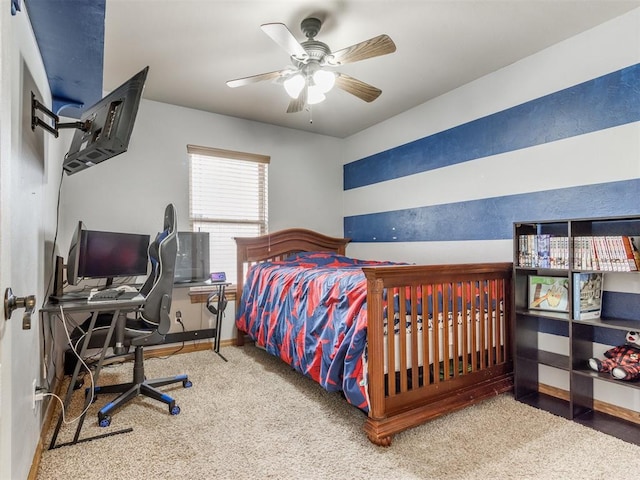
374, 47
298, 104
241, 82
280, 34
362, 90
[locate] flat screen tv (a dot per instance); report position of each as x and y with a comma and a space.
106, 255
108, 126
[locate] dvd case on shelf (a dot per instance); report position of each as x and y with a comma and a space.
587, 297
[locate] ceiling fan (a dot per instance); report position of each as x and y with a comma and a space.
310, 78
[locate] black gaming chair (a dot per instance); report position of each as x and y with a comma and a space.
151, 324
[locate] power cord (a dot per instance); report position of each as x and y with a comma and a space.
179, 320
39, 395
55, 240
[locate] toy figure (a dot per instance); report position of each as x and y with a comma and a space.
622, 361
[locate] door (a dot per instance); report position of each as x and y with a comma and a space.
22, 170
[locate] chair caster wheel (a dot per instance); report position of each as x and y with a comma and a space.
187, 384
175, 410
105, 422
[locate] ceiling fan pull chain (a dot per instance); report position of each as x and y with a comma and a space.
310, 113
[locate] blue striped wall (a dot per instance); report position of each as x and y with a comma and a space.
605, 102
492, 218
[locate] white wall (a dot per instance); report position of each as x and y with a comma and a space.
24, 265
129, 192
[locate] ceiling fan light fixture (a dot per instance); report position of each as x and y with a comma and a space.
306, 81
294, 85
324, 80
314, 95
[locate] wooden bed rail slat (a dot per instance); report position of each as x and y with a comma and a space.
402, 334
415, 363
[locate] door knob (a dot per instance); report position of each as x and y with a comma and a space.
11, 302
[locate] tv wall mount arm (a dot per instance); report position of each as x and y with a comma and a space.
38, 122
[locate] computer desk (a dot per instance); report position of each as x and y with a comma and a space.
116, 308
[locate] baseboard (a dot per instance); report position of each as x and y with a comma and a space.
599, 406
164, 350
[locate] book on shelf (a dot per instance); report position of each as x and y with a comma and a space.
611, 253
543, 251
632, 254
587, 295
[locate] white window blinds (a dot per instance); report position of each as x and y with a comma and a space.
228, 194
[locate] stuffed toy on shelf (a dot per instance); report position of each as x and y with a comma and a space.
622, 361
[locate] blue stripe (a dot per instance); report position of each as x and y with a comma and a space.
553, 327
604, 336
493, 218
604, 102
621, 305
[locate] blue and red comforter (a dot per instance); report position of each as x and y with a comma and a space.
310, 310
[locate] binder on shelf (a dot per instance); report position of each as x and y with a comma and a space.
587, 295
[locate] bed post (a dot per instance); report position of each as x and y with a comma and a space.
241, 258
375, 335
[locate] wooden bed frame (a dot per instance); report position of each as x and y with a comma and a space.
414, 396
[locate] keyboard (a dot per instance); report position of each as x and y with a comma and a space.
112, 294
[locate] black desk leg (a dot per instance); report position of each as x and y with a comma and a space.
216, 340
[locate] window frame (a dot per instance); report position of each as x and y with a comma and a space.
218, 153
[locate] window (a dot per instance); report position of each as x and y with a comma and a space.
227, 198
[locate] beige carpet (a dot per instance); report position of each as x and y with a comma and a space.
253, 417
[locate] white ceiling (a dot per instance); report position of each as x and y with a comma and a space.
194, 46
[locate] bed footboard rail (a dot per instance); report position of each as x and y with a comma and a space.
439, 339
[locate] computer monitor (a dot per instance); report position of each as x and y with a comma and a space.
107, 126
106, 255
192, 259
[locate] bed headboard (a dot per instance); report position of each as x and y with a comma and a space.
277, 245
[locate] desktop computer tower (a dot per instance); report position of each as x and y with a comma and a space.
192, 261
